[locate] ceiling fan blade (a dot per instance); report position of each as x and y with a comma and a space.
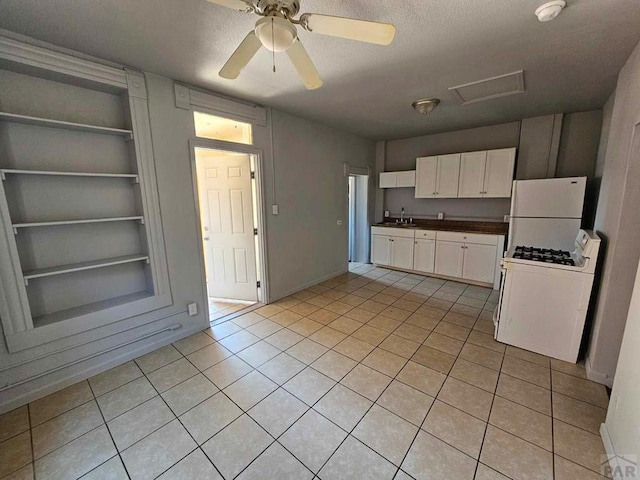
305, 67
239, 5
243, 54
361, 30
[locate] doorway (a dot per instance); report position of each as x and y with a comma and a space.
228, 207
358, 215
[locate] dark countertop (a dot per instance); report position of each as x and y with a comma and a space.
469, 226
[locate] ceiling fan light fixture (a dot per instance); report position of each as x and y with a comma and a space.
426, 105
275, 33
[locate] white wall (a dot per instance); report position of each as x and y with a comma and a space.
304, 242
621, 431
617, 223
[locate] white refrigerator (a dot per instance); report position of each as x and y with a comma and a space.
546, 213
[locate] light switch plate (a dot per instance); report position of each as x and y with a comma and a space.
193, 309
274, 209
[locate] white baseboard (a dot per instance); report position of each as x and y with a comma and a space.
78, 372
278, 296
597, 377
611, 452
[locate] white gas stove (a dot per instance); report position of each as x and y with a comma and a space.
545, 295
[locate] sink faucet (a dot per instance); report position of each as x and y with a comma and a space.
402, 220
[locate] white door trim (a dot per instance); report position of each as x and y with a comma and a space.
263, 292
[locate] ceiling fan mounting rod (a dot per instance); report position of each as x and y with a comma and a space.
287, 8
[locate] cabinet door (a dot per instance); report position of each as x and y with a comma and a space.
406, 179
380, 249
424, 255
402, 252
426, 173
449, 258
472, 167
448, 176
479, 263
388, 180
498, 177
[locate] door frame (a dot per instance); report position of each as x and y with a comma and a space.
262, 266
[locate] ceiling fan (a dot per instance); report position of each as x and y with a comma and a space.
276, 31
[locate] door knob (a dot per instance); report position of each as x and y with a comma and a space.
206, 238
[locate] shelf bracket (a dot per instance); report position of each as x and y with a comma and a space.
26, 282
3, 176
147, 261
142, 221
129, 137
135, 179
15, 230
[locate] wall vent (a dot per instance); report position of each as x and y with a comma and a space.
489, 88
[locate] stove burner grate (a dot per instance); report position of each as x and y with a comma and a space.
544, 255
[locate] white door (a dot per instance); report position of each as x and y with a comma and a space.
380, 249
226, 215
388, 180
402, 252
449, 258
472, 173
498, 177
426, 175
424, 255
479, 263
448, 176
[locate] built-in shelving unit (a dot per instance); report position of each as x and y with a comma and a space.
47, 122
80, 228
79, 267
12, 171
77, 222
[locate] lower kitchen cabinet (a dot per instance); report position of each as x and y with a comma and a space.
464, 256
479, 263
402, 252
424, 255
381, 249
449, 258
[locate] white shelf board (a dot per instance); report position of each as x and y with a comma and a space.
50, 318
15, 226
13, 171
46, 122
79, 267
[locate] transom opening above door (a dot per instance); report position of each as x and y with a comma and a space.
220, 128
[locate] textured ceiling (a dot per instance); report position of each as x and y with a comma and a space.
570, 64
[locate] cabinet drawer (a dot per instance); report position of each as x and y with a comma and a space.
463, 237
425, 234
392, 232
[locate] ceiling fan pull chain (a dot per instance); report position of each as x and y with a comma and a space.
273, 41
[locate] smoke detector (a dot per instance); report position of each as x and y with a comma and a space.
550, 10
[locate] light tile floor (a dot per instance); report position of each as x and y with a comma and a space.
371, 375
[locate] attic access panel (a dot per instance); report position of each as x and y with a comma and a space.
489, 88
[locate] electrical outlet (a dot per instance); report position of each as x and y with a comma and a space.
386, 214
440, 215
506, 218
274, 209
193, 309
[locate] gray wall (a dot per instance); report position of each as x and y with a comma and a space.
578, 154
305, 244
554, 145
402, 154
617, 222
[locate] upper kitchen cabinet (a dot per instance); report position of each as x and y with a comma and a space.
487, 174
437, 176
397, 179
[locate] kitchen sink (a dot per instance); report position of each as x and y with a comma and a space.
394, 224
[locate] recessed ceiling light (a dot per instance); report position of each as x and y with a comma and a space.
426, 105
550, 10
